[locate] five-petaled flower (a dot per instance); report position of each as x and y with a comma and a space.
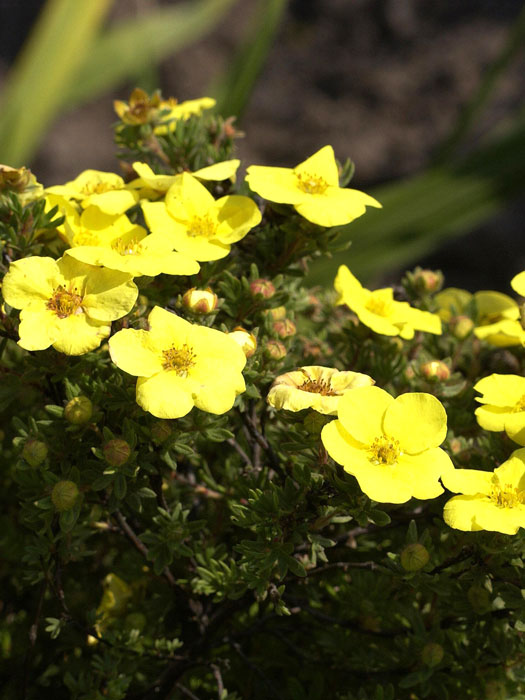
180, 365
312, 187
379, 311
66, 303
316, 387
390, 445
198, 225
503, 399
490, 500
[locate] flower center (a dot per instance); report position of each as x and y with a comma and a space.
384, 450
64, 303
506, 497
378, 306
97, 187
85, 237
520, 406
131, 247
317, 386
311, 184
179, 360
202, 226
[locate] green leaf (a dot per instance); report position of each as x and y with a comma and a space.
37, 85
218, 434
120, 487
120, 54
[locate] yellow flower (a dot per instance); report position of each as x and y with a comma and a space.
312, 187
198, 225
107, 191
151, 186
92, 227
22, 181
140, 109
177, 111
491, 500
245, 339
503, 399
180, 365
314, 387
518, 283
390, 445
66, 303
379, 311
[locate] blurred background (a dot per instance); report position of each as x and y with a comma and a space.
426, 98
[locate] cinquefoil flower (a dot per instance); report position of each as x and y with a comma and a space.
176, 111
316, 387
198, 225
180, 365
151, 186
390, 445
379, 311
503, 399
66, 303
491, 500
107, 191
312, 187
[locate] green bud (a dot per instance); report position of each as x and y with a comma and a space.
461, 326
414, 557
79, 410
34, 452
432, 654
116, 452
161, 431
64, 495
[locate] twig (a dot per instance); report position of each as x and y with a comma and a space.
185, 691
218, 677
239, 450
263, 442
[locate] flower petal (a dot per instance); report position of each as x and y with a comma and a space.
109, 294
79, 334
468, 481
38, 328
135, 352
274, 184
165, 395
423, 471
236, 216
417, 420
29, 279
321, 164
500, 389
336, 206
361, 412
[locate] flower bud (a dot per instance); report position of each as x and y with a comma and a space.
246, 340
64, 495
278, 313
435, 369
284, 328
161, 431
263, 288
79, 410
414, 557
461, 326
200, 301
116, 452
429, 281
432, 654
34, 452
275, 350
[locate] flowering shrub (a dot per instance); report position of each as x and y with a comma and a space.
219, 483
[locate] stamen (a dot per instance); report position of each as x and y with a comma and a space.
378, 306
520, 405
131, 247
65, 303
384, 450
179, 360
507, 496
97, 187
317, 386
311, 184
202, 226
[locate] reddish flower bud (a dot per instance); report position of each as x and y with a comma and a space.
79, 410
461, 326
275, 350
278, 313
200, 301
263, 288
435, 369
284, 328
116, 452
161, 431
64, 495
246, 340
429, 281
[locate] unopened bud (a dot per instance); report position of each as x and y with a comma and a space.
429, 281
275, 350
455, 446
461, 326
161, 431
116, 452
479, 598
278, 313
79, 410
64, 495
263, 288
435, 369
414, 557
432, 654
246, 340
34, 452
284, 328
200, 301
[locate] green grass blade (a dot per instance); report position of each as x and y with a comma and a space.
235, 89
48, 62
420, 213
120, 53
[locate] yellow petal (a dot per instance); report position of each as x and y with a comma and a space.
165, 395
335, 207
217, 398
167, 328
274, 184
468, 481
518, 283
513, 470
492, 417
417, 420
115, 202
322, 164
109, 294
340, 445
492, 304
290, 398
380, 483
188, 196
461, 512
38, 328
471, 513
218, 171
361, 412
135, 352
30, 279
423, 321
348, 286
421, 472
515, 427
502, 390
236, 215
79, 334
